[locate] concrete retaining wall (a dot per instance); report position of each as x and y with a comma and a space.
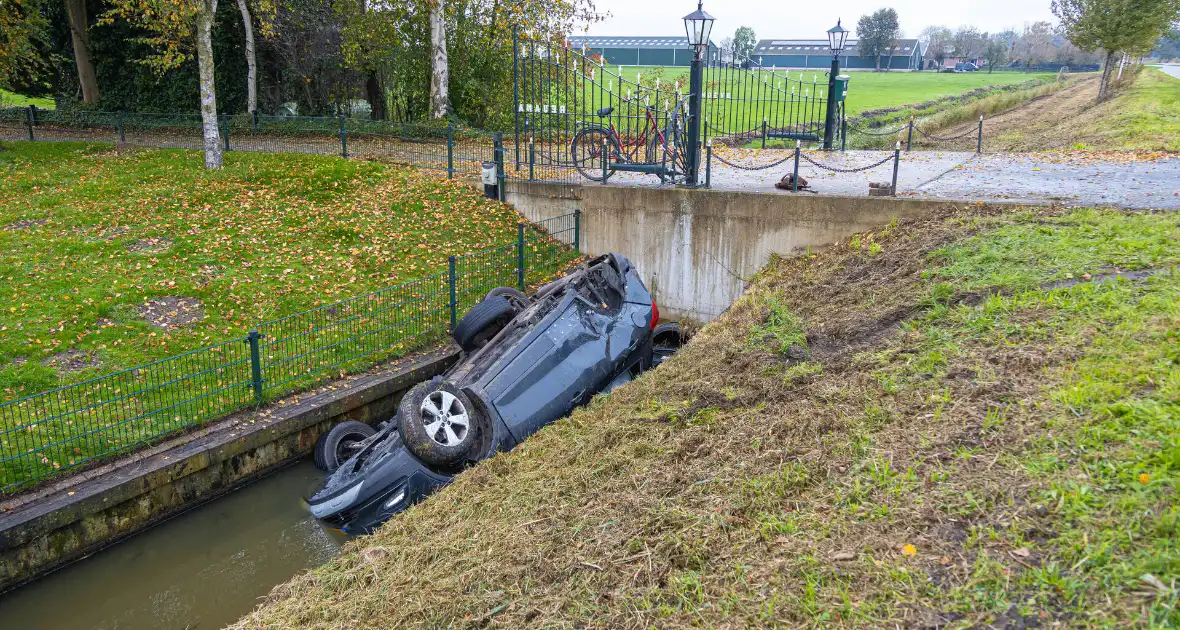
695, 248
46, 528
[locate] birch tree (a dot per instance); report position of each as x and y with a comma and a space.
440, 72
251, 58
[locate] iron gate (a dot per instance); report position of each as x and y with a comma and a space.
575, 113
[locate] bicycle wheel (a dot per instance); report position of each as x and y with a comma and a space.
587, 152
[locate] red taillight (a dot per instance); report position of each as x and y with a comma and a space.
655, 315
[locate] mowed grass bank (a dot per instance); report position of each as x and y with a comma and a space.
108, 261
967, 421
12, 99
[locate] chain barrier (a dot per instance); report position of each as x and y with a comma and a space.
969, 132
878, 135
726, 162
888, 158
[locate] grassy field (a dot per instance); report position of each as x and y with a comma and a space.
867, 90
965, 421
108, 261
10, 99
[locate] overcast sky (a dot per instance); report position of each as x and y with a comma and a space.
810, 20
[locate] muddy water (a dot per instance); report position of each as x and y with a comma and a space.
201, 570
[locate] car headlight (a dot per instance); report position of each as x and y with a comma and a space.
396, 499
338, 502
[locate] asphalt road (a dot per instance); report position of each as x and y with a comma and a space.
1171, 68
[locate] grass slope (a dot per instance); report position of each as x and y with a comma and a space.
979, 433
89, 237
12, 99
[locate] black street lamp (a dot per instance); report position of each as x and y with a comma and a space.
837, 37
697, 26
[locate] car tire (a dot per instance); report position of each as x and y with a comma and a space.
516, 298
667, 338
339, 443
438, 423
482, 322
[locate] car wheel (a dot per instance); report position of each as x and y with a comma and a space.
340, 443
482, 322
666, 340
516, 298
438, 423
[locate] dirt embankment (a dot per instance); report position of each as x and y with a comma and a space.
919, 428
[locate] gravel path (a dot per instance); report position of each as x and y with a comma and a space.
1082, 179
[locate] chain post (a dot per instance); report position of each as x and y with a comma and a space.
763, 133
501, 175
32, 120
909, 134
896, 163
979, 142
252, 338
254, 121
452, 302
532, 158
450, 150
843, 135
709, 162
225, 130
604, 158
343, 139
122, 128
795, 184
578, 230
520, 256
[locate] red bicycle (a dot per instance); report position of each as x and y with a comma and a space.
659, 145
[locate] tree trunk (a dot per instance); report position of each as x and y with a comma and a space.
80, 34
1122, 64
878, 63
251, 59
1104, 82
376, 97
440, 102
208, 92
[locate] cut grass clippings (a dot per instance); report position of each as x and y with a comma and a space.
969, 440
95, 247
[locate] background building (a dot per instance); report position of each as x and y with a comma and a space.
638, 51
815, 53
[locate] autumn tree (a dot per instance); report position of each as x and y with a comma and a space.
938, 42
79, 21
440, 72
995, 50
23, 28
1113, 26
968, 43
877, 33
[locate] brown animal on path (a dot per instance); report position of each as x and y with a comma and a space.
788, 181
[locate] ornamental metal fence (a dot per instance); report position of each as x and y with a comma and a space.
68, 427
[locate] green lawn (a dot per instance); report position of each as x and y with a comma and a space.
969, 421
11, 99
88, 239
1146, 115
867, 90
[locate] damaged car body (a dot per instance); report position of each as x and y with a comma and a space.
526, 362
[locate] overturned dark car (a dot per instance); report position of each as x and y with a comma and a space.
526, 362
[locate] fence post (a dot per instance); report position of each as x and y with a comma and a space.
979, 143
532, 158
909, 135
254, 121
843, 135
225, 129
709, 163
763, 133
255, 364
501, 175
32, 119
516, 91
795, 183
343, 139
520, 256
896, 162
122, 130
450, 150
578, 230
452, 303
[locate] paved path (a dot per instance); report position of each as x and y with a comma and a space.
1070, 179
1171, 68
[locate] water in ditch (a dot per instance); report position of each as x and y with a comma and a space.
201, 570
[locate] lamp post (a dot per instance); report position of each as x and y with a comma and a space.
697, 26
837, 37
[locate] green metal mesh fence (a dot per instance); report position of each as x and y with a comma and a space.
57, 430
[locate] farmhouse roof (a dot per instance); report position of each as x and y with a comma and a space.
818, 46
